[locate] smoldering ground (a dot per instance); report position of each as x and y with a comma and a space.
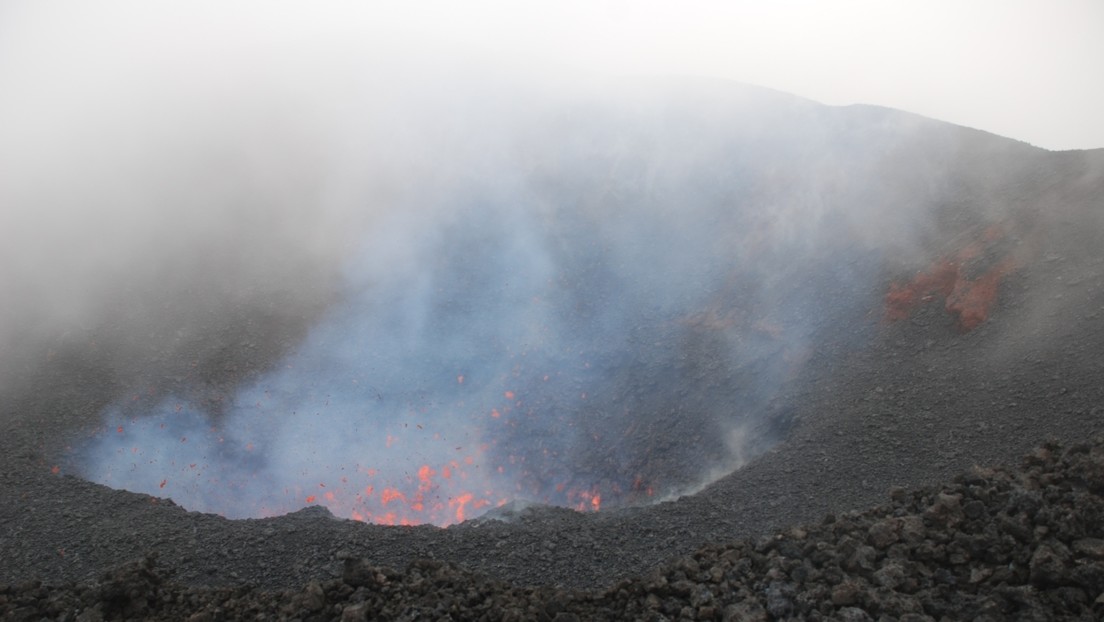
328, 273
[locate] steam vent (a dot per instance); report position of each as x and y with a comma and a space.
654, 350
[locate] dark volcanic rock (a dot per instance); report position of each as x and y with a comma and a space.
1051, 577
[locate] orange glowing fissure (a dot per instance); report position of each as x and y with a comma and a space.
586, 500
427, 503
441, 494
431, 500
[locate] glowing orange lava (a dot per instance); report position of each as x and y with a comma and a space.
459, 503
390, 494
968, 298
425, 474
445, 492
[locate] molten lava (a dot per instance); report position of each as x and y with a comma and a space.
967, 295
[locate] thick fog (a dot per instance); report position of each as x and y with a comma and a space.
322, 269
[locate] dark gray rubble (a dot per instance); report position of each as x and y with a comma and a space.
993, 545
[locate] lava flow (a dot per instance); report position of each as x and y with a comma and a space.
967, 295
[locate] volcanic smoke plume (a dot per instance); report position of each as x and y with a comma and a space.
572, 307
412, 295
593, 336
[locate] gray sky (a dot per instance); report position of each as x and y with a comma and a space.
1027, 69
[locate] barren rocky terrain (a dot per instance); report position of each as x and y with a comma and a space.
993, 545
856, 512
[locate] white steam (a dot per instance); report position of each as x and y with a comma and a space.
483, 284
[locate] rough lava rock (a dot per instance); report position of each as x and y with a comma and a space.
950, 564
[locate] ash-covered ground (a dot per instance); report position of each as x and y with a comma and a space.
993, 545
932, 371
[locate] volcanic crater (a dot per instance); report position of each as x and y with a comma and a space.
728, 314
